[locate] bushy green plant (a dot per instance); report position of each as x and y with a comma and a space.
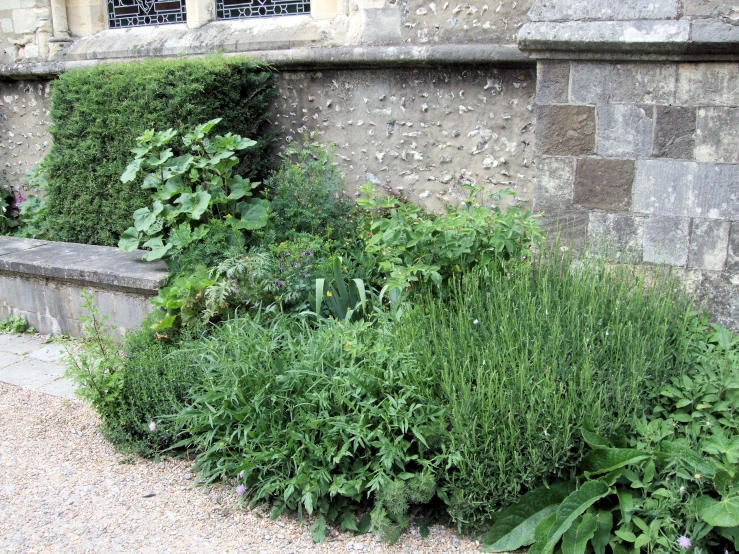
15, 324
345, 301
672, 484
307, 193
282, 275
412, 245
95, 365
189, 190
314, 420
99, 112
157, 378
522, 358
7, 222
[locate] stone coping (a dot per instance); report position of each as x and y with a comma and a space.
101, 267
315, 58
710, 39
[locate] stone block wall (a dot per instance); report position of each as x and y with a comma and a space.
644, 157
25, 29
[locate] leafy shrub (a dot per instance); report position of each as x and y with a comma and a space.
95, 366
15, 324
99, 112
671, 484
157, 377
282, 275
411, 245
314, 419
7, 201
190, 190
307, 194
523, 358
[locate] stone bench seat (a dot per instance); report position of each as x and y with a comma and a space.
43, 281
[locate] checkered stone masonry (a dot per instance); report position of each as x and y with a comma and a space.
648, 154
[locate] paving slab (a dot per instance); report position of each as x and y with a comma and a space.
52, 352
20, 344
63, 388
31, 374
6, 359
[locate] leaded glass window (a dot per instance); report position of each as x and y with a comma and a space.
242, 9
135, 13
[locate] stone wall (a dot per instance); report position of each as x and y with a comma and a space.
443, 21
24, 121
642, 157
420, 131
25, 29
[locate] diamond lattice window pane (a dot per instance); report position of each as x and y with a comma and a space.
242, 9
136, 13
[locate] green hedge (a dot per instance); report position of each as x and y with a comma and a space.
99, 112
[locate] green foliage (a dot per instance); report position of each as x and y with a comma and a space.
189, 190
314, 420
99, 112
673, 478
157, 377
307, 193
7, 200
344, 301
521, 359
95, 367
282, 275
412, 246
15, 324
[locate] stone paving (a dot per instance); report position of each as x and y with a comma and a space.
34, 362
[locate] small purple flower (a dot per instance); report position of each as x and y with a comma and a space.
302, 275
307, 261
152, 427
278, 284
292, 264
308, 252
684, 542
282, 269
240, 490
19, 197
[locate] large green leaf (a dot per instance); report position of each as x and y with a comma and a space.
605, 460
129, 240
602, 535
719, 444
515, 526
572, 507
177, 166
577, 536
194, 204
131, 170
252, 214
719, 513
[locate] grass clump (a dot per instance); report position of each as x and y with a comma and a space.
522, 358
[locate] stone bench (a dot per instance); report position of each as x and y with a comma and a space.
43, 281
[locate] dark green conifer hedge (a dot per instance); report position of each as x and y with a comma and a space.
98, 113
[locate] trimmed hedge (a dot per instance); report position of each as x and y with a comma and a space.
99, 112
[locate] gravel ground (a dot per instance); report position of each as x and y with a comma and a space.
63, 488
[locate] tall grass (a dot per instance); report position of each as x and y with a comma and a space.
523, 359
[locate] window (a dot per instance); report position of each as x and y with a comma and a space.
135, 13
241, 9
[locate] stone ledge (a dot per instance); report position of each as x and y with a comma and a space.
676, 40
97, 266
317, 58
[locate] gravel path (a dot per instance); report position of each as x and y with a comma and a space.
63, 488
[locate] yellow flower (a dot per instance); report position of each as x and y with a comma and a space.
329, 293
